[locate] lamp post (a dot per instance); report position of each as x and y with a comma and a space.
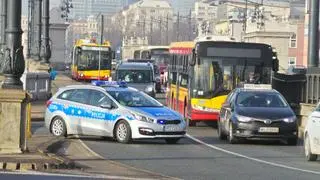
3, 20
13, 65
313, 50
47, 48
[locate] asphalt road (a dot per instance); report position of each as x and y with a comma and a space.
203, 156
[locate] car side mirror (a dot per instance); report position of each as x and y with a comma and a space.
107, 105
228, 106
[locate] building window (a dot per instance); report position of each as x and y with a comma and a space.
293, 41
292, 61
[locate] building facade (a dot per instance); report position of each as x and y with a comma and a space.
146, 18
184, 7
85, 8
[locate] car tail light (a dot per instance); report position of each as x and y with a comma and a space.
48, 103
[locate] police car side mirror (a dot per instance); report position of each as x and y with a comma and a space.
107, 105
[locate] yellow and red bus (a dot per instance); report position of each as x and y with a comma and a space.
91, 61
203, 72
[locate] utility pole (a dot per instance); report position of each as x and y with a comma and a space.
178, 24
189, 27
13, 66
3, 20
151, 29
46, 18
144, 28
313, 50
39, 29
167, 30
245, 18
160, 27
102, 29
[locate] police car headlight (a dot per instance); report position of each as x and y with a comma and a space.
290, 119
142, 118
243, 118
149, 89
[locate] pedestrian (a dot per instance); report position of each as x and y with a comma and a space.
53, 73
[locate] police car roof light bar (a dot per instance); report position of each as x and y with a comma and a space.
109, 83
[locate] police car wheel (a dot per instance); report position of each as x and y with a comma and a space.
123, 132
58, 127
307, 150
172, 140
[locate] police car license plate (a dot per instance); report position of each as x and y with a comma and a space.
269, 129
171, 128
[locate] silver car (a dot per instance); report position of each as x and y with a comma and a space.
114, 110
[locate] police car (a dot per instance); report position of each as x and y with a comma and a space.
312, 135
257, 112
111, 109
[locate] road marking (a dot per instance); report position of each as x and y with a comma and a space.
35, 173
128, 166
251, 158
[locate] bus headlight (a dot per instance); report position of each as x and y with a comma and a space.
202, 108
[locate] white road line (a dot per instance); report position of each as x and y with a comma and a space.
128, 166
251, 158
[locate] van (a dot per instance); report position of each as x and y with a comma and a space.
137, 75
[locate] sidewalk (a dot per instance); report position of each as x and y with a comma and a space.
65, 155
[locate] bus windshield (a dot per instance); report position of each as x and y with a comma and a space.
89, 60
162, 59
224, 74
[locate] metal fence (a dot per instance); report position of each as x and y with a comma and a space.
38, 84
311, 89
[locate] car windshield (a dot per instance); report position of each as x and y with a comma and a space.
260, 99
134, 99
135, 76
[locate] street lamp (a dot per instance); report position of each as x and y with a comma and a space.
65, 8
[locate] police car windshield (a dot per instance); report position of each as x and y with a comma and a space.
134, 99
260, 99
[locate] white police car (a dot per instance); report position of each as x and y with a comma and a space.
111, 109
312, 135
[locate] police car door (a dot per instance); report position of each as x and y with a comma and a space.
78, 105
100, 116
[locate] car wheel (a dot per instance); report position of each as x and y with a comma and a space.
123, 132
58, 127
292, 141
231, 138
172, 140
307, 150
221, 134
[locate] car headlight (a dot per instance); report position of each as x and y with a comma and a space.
81, 75
149, 89
290, 119
243, 118
142, 118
